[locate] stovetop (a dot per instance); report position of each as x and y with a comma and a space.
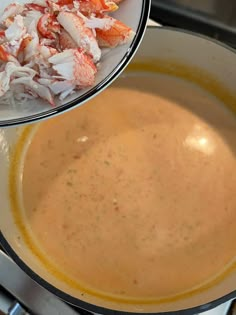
214, 18
19, 295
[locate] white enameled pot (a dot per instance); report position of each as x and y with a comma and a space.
159, 43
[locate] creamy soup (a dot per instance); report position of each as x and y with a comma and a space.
133, 193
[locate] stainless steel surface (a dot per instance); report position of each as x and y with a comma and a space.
9, 305
38, 300
224, 11
17, 309
5, 301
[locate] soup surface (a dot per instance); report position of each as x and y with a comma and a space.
134, 193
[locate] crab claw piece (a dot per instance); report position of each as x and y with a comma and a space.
117, 34
82, 35
97, 6
48, 26
73, 65
41, 90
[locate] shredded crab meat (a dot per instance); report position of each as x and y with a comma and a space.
10, 11
51, 48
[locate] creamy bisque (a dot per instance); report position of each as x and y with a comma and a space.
134, 193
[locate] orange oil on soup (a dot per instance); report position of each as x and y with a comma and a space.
133, 193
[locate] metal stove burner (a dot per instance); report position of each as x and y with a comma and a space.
19, 295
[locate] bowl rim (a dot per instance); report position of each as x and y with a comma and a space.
146, 6
89, 307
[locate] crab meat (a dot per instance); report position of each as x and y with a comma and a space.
64, 2
42, 3
88, 7
82, 35
53, 6
97, 6
13, 71
73, 65
31, 20
66, 41
64, 88
10, 11
35, 7
48, 26
117, 34
2, 36
52, 47
105, 23
21, 51
41, 63
5, 56
48, 42
17, 30
31, 47
39, 89
46, 51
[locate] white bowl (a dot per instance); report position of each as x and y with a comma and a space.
135, 14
